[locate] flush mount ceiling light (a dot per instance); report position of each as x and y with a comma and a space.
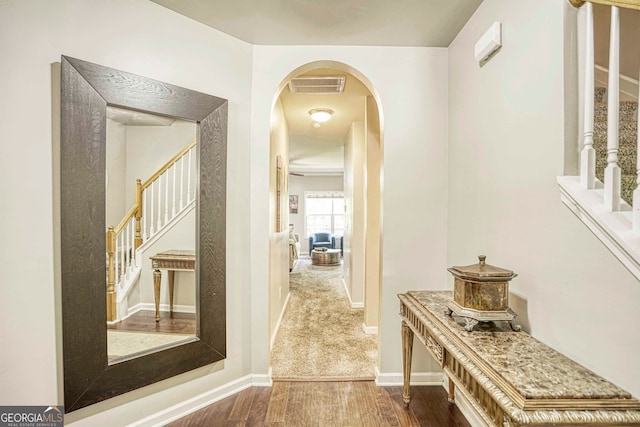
320, 115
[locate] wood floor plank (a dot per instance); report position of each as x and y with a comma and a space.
295, 406
404, 413
145, 321
329, 404
384, 406
258, 413
242, 405
212, 415
278, 402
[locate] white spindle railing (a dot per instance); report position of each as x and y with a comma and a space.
602, 210
125, 256
160, 196
588, 154
612, 173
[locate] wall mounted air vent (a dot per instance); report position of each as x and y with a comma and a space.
320, 85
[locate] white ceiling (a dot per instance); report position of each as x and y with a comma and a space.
320, 150
332, 22
431, 23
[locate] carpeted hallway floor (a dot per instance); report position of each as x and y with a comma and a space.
321, 336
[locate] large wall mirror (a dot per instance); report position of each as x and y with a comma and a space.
143, 192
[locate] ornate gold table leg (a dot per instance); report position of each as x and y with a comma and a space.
172, 274
407, 352
451, 397
156, 292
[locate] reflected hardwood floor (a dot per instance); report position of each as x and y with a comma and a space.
145, 321
330, 404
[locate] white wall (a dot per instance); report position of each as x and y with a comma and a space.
506, 142
355, 208
116, 158
137, 36
150, 147
411, 85
298, 185
278, 239
373, 218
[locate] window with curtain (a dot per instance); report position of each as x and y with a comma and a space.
324, 212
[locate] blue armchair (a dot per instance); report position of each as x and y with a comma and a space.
321, 240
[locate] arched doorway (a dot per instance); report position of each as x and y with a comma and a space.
361, 143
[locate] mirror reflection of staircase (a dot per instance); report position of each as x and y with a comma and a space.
160, 203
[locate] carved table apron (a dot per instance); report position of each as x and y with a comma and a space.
510, 378
172, 260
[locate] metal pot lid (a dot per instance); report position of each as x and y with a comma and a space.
482, 272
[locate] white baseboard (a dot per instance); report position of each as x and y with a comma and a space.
369, 329
198, 402
351, 303
163, 307
277, 328
417, 378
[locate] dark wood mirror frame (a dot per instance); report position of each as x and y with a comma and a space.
86, 91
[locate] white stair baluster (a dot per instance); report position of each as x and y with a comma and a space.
189, 179
121, 254
612, 173
133, 246
173, 199
117, 264
144, 216
181, 182
159, 181
588, 154
152, 231
127, 254
166, 196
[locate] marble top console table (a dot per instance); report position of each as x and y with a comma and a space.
172, 260
510, 378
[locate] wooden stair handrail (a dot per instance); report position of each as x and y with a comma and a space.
170, 163
627, 4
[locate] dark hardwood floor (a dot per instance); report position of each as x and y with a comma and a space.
330, 404
145, 321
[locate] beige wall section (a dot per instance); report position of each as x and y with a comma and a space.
355, 219
629, 36
373, 268
506, 146
116, 158
190, 55
278, 240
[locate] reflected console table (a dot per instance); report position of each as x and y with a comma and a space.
509, 378
172, 261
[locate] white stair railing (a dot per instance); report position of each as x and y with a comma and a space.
599, 205
164, 193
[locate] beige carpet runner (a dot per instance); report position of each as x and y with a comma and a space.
321, 336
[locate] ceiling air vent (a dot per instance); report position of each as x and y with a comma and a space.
320, 85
